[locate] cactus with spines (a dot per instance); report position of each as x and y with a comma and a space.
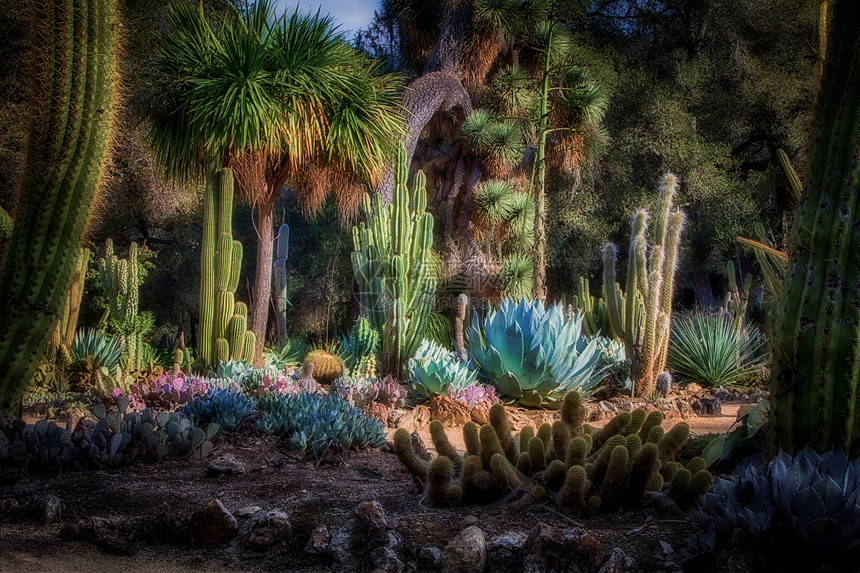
559, 462
572, 412
615, 426
642, 316
816, 363
736, 301
222, 335
594, 310
72, 118
654, 418
328, 367
361, 344
279, 280
499, 421
393, 265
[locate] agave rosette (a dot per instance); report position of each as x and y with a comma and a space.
436, 371
534, 355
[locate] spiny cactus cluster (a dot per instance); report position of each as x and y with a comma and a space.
360, 392
583, 469
361, 345
117, 437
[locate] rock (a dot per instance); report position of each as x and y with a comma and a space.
246, 512
420, 448
386, 559
51, 508
697, 406
684, 409
512, 541
540, 417
619, 562
712, 406
69, 531
501, 560
212, 525
517, 419
693, 388
265, 531
550, 550
370, 524
319, 540
466, 553
9, 506
339, 549
377, 411
481, 413
428, 558
226, 464
414, 419
449, 412
469, 521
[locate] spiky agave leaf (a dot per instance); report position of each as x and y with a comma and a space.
435, 371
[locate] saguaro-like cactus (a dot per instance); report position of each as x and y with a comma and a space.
279, 280
642, 315
73, 63
392, 264
223, 330
816, 363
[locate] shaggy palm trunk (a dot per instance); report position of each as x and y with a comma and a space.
816, 365
263, 278
73, 75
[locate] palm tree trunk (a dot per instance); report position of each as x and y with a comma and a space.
263, 277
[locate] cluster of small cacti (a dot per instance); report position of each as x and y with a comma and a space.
643, 314
279, 280
120, 280
116, 438
583, 469
328, 367
223, 322
361, 392
361, 345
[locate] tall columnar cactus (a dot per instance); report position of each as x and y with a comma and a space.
392, 264
120, 281
73, 61
223, 322
279, 280
72, 305
642, 315
816, 364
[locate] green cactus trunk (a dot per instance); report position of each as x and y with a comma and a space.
641, 315
223, 330
120, 281
74, 76
816, 363
392, 265
279, 280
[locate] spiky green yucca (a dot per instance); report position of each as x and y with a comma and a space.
73, 61
816, 363
644, 313
392, 262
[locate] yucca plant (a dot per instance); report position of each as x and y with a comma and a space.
104, 350
714, 350
436, 371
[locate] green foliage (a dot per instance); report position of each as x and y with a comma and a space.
534, 354
436, 371
713, 350
392, 262
361, 345
725, 450
285, 354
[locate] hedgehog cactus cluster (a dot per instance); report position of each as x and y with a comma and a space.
583, 469
643, 314
120, 280
117, 437
392, 262
361, 344
223, 321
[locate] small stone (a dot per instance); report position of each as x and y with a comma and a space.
450, 412
480, 414
428, 557
319, 540
386, 559
470, 520
550, 549
370, 524
265, 531
693, 388
466, 553
246, 512
377, 411
226, 464
618, 562
512, 541
414, 419
52, 508
69, 531
212, 525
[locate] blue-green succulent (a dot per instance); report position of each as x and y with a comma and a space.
534, 354
435, 371
227, 408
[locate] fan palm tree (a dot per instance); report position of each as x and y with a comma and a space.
281, 101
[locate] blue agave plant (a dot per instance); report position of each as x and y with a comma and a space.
436, 371
226, 407
808, 504
534, 355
